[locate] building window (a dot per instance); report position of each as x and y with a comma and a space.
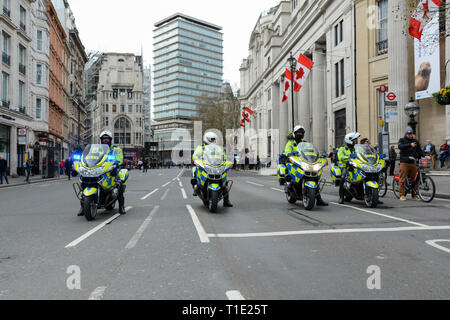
122, 108
39, 74
38, 108
339, 78
340, 125
23, 16
5, 90
269, 94
130, 108
339, 33
137, 108
21, 59
107, 108
6, 9
39, 40
5, 51
114, 108
21, 95
382, 41
115, 93
269, 120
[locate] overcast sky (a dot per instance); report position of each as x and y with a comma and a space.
125, 26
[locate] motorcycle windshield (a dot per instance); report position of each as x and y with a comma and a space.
213, 155
93, 154
367, 152
308, 152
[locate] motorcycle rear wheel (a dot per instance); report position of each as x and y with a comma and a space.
111, 207
90, 208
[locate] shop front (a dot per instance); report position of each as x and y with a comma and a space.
5, 141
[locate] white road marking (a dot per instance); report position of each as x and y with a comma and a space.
181, 185
382, 215
440, 199
166, 184
184, 193
279, 190
433, 244
201, 232
97, 294
165, 195
329, 231
256, 184
141, 229
90, 233
174, 179
144, 198
234, 295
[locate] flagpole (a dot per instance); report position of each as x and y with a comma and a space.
293, 64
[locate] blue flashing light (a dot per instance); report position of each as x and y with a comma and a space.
76, 157
111, 158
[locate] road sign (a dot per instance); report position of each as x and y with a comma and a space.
22, 132
383, 89
27, 128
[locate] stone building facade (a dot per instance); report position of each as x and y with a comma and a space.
324, 32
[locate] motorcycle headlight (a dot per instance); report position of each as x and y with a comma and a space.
92, 172
317, 167
212, 170
306, 167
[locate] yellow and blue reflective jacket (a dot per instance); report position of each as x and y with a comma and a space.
198, 154
117, 152
344, 154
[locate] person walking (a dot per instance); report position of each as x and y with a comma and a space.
28, 170
410, 151
61, 167
444, 152
392, 160
430, 150
145, 166
68, 166
3, 169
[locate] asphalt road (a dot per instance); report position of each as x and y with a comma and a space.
168, 246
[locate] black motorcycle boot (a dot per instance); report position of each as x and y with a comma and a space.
341, 195
320, 201
121, 199
194, 186
227, 203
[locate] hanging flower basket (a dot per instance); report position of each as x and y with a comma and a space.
443, 96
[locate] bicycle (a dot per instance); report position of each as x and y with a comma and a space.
426, 186
383, 184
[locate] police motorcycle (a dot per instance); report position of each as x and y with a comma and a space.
362, 181
301, 176
211, 175
98, 184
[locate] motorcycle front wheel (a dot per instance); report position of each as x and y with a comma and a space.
214, 202
90, 208
309, 198
371, 197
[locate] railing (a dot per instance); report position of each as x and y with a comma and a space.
22, 26
382, 47
6, 58
22, 68
22, 110
5, 104
6, 11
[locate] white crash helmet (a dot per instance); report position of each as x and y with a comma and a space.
209, 136
106, 134
297, 128
351, 136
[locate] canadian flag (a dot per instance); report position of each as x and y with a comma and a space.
423, 14
304, 70
249, 111
287, 84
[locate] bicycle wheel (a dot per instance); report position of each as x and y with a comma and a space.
427, 189
395, 188
383, 185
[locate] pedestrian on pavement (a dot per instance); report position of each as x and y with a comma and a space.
61, 167
258, 163
145, 166
3, 169
410, 151
27, 166
444, 152
392, 160
68, 165
269, 161
430, 150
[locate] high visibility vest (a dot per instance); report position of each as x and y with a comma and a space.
344, 154
198, 154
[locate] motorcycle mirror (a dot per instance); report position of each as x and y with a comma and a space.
382, 156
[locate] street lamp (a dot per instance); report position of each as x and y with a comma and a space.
293, 65
412, 110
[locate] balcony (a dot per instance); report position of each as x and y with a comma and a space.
382, 47
5, 104
22, 110
6, 11
6, 58
22, 68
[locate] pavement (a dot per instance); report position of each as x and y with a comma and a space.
168, 245
33, 179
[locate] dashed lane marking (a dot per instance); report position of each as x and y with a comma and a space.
234, 295
198, 226
97, 294
165, 195
154, 191
91, 232
256, 184
132, 243
184, 193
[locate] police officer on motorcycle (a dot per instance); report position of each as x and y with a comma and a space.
106, 137
291, 148
344, 154
209, 138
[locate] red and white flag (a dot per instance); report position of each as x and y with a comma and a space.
249, 111
423, 14
305, 68
287, 85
